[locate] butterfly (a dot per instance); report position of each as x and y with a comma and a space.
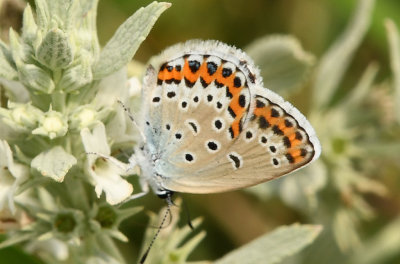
209, 125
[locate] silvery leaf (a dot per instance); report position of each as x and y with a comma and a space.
61, 9
42, 14
76, 77
35, 78
273, 247
120, 49
394, 47
55, 51
7, 71
334, 64
29, 29
283, 63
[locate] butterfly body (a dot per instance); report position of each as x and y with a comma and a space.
210, 125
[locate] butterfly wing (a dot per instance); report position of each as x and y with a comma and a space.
195, 105
211, 126
276, 140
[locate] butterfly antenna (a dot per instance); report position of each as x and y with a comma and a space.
189, 219
168, 212
132, 118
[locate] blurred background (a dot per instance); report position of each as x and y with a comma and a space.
235, 218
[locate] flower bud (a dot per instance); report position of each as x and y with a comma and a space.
52, 124
20, 116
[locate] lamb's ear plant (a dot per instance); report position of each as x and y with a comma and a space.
60, 108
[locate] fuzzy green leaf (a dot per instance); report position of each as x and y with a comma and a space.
61, 10
120, 49
283, 63
42, 14
16, 238
77, 76
334, 64
35, 78
7, 71
54, 163
55, 51
394, 47
273, 247
29, 29
361, 90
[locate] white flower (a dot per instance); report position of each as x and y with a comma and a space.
105, 171
11, 176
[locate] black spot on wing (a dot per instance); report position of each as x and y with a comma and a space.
211, 67
194, 65
242, 100
218, 84
203, 82
286, 142
237, 82
231, 112
189, 83
226, 72
277, 130
274, 112
235, 160
194, 127
263, 123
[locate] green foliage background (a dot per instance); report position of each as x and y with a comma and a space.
233, 219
